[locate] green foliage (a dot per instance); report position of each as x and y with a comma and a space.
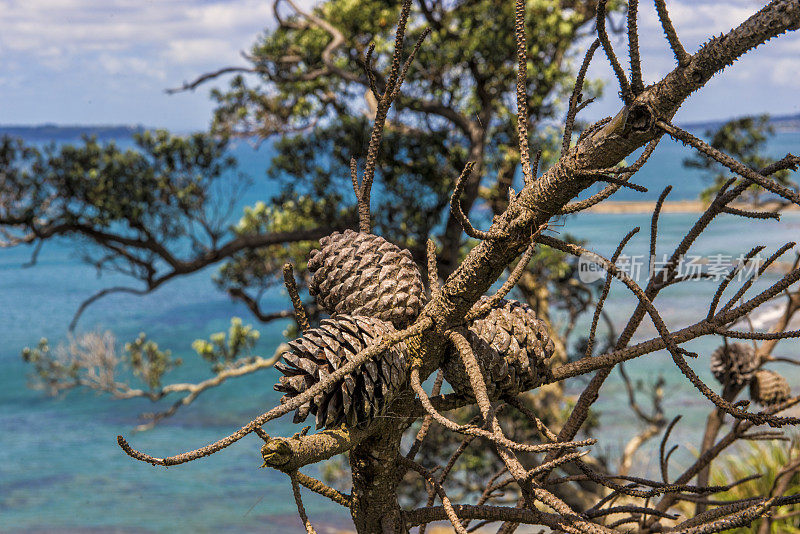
261, 268
148, 362
221, 350
100, 184
766, 460
128, 207
745, 139
92, 360
416, 175
138, 211
50, 373
471, 41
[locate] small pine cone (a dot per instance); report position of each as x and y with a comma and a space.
359, 397
734, 364
768, 387
512, 346
356, 273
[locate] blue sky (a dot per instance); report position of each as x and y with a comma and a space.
109, 61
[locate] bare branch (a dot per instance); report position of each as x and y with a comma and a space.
669, 30
569, 124
522, 91
606, 289
729, 162
624, 86
300, 508
637, 85
191, 86
291, 287
246, 367
368, 353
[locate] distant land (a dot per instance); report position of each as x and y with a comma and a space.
56, 132
781, 123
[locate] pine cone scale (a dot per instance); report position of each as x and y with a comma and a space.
359, 397
768, 388
363, 274
734, 364
510, 359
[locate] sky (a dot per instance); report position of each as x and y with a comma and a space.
109, 61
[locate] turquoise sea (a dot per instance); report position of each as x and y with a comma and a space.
62, 471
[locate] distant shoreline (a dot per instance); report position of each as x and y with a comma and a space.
675, 206
56, 132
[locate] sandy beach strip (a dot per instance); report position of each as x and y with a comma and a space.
676, 206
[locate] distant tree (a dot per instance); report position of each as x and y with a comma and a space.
744, 138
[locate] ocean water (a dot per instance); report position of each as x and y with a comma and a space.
62, 471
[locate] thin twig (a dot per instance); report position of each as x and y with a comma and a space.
299, 502
572, 111
458, 213
669, 30
605, 291
482, 307
624, 87
727, 161
522, 93
637, 85
291, 287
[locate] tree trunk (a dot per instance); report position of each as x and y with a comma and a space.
376, 475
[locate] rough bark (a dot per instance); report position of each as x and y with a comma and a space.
376, 474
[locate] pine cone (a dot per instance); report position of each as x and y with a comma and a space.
359, 397
734, 364
363, 274
512, 346
768, 387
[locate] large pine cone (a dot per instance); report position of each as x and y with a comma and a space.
357, 273
361, 396
734, 364
512, 346
768, 387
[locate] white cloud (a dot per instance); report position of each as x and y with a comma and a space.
785, 72
173, 29
110, 60
117, 64
769, 68
198, 50
127, 48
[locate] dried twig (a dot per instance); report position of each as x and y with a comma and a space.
458, 213
624, 86
291, 287
669, 30
637, 85
300, 508
572, 111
